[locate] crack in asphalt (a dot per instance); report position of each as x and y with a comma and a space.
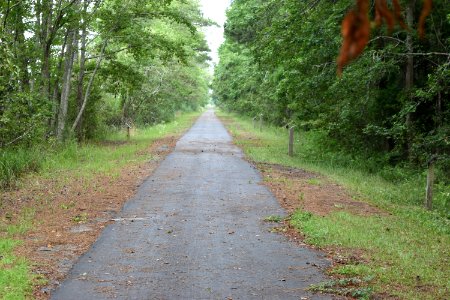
195, 230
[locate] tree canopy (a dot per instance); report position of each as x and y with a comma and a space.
390, 105
78, 66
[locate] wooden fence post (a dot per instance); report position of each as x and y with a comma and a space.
254, 123
128, 130
260, 122
291, 141
430, 181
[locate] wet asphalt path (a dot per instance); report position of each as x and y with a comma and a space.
195, 230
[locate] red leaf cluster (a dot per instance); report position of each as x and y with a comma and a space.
356, 26
356, 31
426, 10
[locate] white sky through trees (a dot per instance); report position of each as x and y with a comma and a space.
215, 10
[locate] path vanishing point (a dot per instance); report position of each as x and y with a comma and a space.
195, 230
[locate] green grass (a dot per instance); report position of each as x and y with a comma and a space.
314, 181
407, 248
16, 282
108, 156
70, 160
16, 162
25, 222
353, 286
105, 156
273, 219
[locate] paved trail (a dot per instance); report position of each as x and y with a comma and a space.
195, 230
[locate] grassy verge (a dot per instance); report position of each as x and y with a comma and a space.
15, 279
405, 252
83, 159
109, 155
70, 161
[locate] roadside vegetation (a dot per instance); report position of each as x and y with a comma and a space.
15, 280
379, 127
75, 76
403, 251
65, 164
386, 113
73, 72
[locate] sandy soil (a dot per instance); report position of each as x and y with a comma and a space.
312, 192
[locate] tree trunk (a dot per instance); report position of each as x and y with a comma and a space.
5, 16
82, 63
125, 113
88, 88
56, 91
439, 109
65, 91
409, 72
37, 38
45, 72
21, 53
430, 182
47, 9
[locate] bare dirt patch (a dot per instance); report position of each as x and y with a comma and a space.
70, 213
299, 189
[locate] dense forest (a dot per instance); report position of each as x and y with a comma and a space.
389, 107
77, 69
72, 67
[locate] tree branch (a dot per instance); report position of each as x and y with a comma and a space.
113, 52
386, 37
18, 138
422, 54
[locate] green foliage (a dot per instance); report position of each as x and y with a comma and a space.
152, 84
22, 119
144, 61
395, 185
8, 71
278, 60
404, 247
46, 158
